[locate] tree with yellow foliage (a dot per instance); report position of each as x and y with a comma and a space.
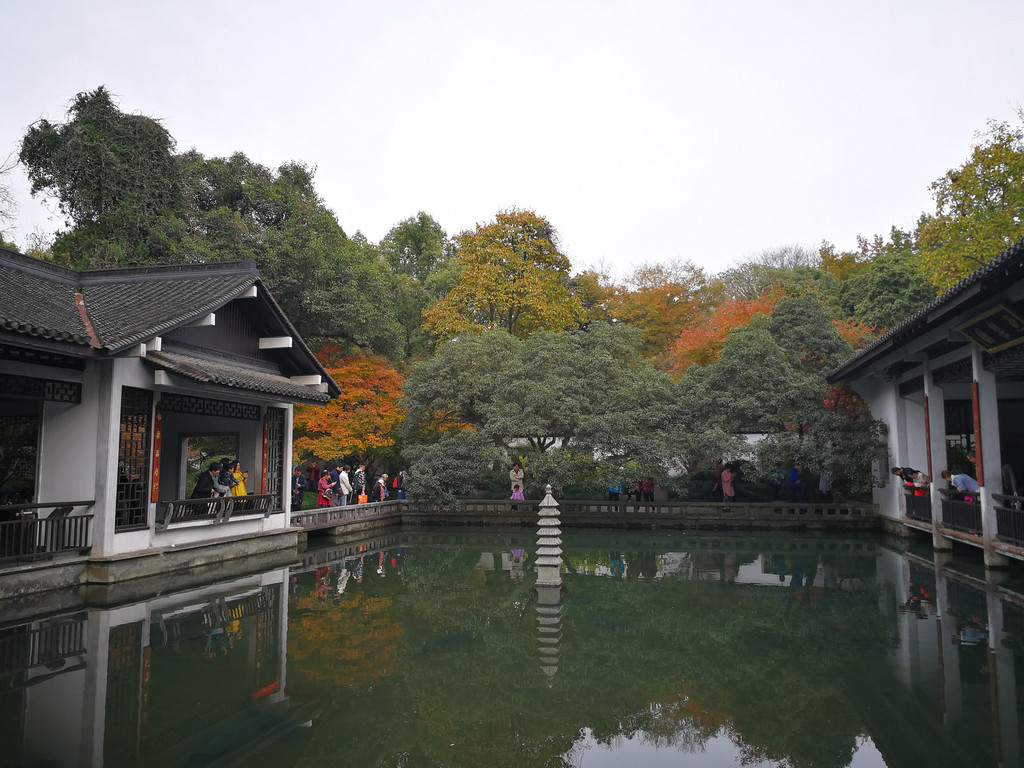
513, 278
979, 209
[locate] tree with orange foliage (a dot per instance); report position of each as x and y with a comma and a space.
363, 420
702, 342
659, 300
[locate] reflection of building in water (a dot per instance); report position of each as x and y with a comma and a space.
956, 635
115, 679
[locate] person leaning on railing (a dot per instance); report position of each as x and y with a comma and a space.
208, 484
963, 485
913, 479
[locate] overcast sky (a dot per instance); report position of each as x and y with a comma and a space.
706, 130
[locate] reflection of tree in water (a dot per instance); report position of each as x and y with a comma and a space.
348, 641
671, 660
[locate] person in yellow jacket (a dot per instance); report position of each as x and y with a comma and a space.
238, 489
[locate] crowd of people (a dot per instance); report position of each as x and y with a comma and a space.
223, 478
341, 485
961, 486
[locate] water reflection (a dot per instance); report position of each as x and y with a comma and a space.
441, 649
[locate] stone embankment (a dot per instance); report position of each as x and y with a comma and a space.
846, 516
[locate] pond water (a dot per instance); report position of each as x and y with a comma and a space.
436, 649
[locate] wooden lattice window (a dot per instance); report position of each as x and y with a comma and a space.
133, 459
275, 454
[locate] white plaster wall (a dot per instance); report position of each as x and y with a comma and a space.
880, 398
79, 448
67, 456
203, 530
917, 449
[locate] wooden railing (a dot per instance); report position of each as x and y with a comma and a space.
918, 507
960, 515
1009, 518
217, 510
39, 531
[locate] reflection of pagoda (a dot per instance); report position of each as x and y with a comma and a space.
549, 584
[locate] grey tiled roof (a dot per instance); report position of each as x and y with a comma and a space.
226, 374
124, 314
112, 310
39, 299
1005, 268
123, 306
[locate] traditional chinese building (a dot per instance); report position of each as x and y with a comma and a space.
949, 383
118, 388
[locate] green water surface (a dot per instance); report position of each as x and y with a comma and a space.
438, 649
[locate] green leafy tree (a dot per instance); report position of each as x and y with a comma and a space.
417, 246
882, 284
979, 208
803, 328
770, 379
130, 199
115, 177
571, 407
425, 267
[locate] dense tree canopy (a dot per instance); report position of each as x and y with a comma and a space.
115, 177
770, 379
509, 354
979, 208
425, 268
130, 200
513, 278
660, 299
881, 285
571, 407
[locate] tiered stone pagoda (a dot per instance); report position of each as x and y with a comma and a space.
549, 584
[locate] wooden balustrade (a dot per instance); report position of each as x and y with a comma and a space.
918, 507
960, 514
40, 531
1009, 518
217, 510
